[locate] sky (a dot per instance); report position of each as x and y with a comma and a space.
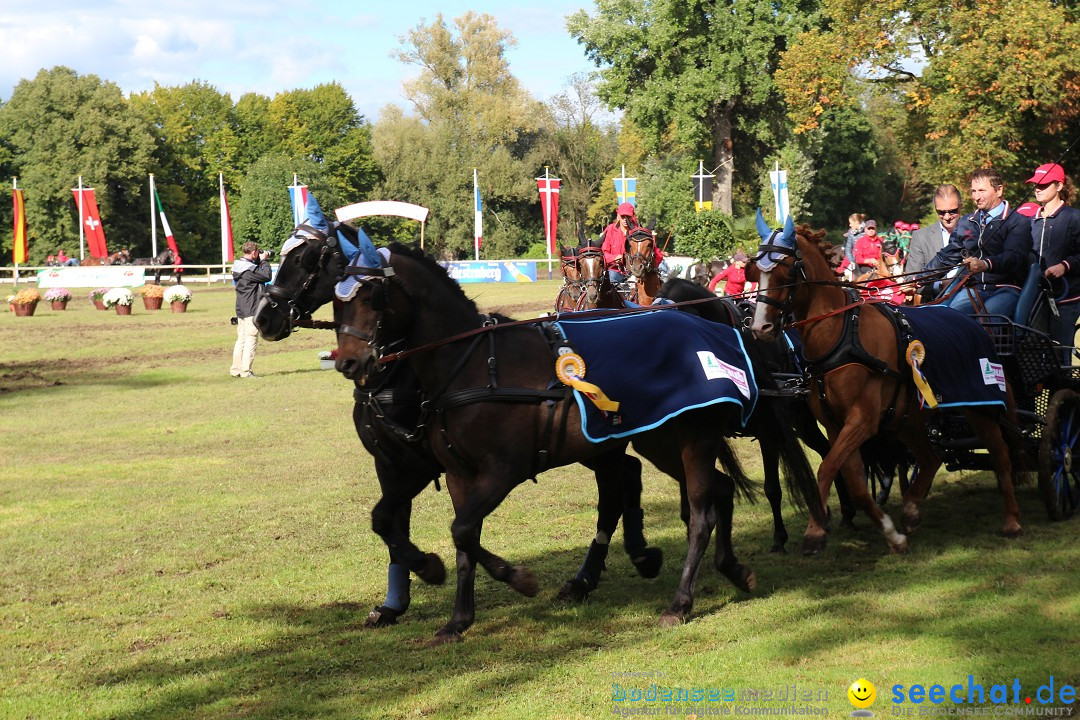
241, 46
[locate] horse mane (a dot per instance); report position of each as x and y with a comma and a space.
833, 254
435, 269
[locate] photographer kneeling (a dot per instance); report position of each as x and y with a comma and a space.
249, 274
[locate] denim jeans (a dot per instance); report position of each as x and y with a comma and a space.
997, 300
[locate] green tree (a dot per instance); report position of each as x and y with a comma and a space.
984, 83
263, 212
696, 77
582, 152
471, 113
61, 125
323, 125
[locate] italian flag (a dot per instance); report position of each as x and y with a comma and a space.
167, 230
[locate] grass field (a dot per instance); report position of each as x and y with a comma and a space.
181, 544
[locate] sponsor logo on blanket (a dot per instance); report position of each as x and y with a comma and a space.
717, 369
992, 373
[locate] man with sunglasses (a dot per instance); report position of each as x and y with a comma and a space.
993, 244
927, 241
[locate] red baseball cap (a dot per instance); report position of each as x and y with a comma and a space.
1028, 209
626, 209
913, 226
1051, 172
899, 224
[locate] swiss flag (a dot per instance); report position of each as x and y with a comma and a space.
91, 223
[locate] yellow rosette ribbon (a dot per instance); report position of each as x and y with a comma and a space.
570, 369
916, 354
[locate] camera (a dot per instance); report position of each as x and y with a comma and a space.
266, 254
233, 320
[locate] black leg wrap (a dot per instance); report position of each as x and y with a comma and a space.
633, 529
588, 576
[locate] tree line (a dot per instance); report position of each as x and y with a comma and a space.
868, 107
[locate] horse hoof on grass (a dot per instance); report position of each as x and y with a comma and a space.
573, 590
648, 562
741, 577
912, 518
814, 545
1012, 531
672, 619
899, 546
778, 548
445, 637
524, 581
381, 617
433, 572
848, 522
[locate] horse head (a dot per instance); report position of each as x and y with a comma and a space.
640, 252
570, 271
313, 259
593, 272
776, 269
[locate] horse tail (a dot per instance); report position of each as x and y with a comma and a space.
772, 418
729, 460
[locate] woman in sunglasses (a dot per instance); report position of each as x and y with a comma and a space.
1055, 239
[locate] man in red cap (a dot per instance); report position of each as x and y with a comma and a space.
615, 236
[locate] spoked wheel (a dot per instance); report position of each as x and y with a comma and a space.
1059, 455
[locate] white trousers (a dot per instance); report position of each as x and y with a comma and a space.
243, 354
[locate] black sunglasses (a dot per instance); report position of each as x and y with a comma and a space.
953, 211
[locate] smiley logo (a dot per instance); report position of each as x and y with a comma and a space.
862, 694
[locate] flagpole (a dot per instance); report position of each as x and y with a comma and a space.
224, 223
476, 191
153, 219
82, 236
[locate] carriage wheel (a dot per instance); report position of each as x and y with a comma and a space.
1059, 455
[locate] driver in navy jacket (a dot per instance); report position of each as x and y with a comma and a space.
993, 243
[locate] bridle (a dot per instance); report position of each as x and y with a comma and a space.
637, 262
315, 240
796, 270
574, 286
381, 281
593, 285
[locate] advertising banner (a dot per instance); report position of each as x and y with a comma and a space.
101, 276
507, 271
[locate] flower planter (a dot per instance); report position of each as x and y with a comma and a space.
99, 305
25, 309
326, 364
59, 304
179, 306
123, 309
151, 303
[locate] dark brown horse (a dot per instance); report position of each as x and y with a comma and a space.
569, 297
598, 292
492, 420
386, 414
852, 399
640, 261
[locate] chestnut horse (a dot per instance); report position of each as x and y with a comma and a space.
493, 422
853, 399
640, 261
569, 297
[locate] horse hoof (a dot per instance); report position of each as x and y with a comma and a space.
1012, 531
381, 617
446, 636
433, 572
524, 581
898, 546
672, 619
882, 497
648, 562
912, 516
848, 522
573, 591
741, 577
778, 548
814, 545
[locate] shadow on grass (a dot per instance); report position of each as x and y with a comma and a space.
961, 584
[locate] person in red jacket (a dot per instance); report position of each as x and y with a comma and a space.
615, 236
868, 250
734, 274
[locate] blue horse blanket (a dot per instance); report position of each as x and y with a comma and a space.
657, 365
961, 365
